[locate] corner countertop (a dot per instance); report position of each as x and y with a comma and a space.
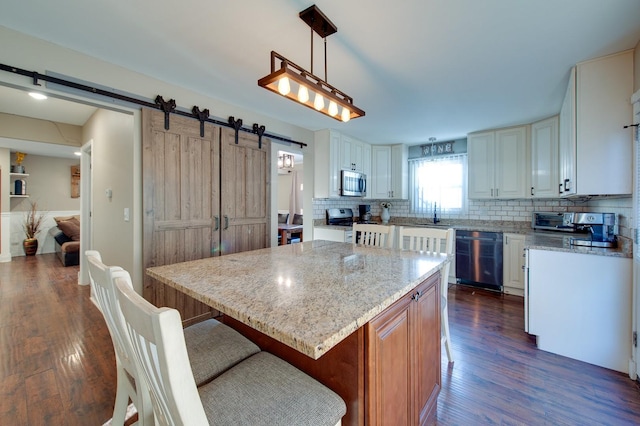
309, 296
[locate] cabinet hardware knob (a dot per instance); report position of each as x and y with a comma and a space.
532, 190
560, 188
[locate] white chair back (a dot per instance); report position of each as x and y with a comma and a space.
129, 385
373, 235
158, 343
434, 241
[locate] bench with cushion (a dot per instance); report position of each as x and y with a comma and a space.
67, 239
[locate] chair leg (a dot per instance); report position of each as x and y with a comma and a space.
122, 398
445, 332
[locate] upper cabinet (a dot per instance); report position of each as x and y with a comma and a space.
498, 163
334, 152
544, 158
389, 173
595, 150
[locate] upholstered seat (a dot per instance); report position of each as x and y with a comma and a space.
261, 390
212, 346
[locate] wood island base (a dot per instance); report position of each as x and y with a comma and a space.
387, 371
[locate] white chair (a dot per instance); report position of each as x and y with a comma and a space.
434, 241
261, 390
373, 235
212, 346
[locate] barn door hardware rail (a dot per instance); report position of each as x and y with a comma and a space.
36, 77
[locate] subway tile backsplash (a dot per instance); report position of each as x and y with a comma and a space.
498, 210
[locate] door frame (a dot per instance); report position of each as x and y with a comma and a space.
634, 372
86, 241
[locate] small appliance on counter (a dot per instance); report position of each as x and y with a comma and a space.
600, 226
364, 213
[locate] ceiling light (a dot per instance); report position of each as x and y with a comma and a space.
295, 83
78, 153
37, 95
285, 161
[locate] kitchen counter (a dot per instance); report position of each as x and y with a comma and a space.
553, 241
309, 296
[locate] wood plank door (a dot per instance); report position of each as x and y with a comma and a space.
245, 192
181, 202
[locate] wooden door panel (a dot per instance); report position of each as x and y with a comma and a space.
245, 192
180, 201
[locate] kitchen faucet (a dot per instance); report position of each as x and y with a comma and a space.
435, 213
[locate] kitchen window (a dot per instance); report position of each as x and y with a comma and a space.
438, 183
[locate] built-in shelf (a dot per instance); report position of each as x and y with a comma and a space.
19, 174
14, 177
18, 196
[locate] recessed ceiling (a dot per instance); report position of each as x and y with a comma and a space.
419, 68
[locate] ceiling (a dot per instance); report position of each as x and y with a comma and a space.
419, 68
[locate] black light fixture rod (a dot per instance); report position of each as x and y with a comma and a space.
311, 50
325, 60
136, 101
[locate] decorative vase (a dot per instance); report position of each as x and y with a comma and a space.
30, 246
385, 215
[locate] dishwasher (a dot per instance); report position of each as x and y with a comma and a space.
479, 259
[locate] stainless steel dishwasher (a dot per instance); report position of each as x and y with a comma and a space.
479, 259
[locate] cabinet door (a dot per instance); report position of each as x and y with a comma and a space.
604, 151
245, 192
326, 182
511, 163
481, 160
347, 153
544, 159
427, 349
381, 172
389, 358
399, 171
567, 139
513, 264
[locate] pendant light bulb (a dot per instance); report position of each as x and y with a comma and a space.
284, 87
318, 103
346, 114
303, 94
333, 108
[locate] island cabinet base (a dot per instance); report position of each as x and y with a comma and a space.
387, 371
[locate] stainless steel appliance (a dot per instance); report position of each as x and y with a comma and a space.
479, 259
340, 217
553, 221
364, 213
353, 184
600, 228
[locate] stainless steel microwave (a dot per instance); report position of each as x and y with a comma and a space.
353, 184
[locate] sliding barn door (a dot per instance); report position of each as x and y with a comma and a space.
181, 196
246, 189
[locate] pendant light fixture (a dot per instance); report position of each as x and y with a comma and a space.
295, 83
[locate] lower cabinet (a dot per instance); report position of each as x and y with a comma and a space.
403, 354
333, 233
513, 264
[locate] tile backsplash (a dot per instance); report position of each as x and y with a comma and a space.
498, 210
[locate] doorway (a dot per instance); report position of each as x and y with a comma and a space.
290, 190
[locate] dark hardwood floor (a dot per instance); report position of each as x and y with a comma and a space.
57, 365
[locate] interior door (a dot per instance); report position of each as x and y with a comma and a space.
181, 181
634, 367
245, 192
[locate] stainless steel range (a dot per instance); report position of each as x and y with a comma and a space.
340, 217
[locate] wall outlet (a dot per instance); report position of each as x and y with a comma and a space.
126, 214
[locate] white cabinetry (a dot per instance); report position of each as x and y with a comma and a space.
389, 173
513, 264
595, 149
544, 158
579, 306
335, 152
498, 163
335, 233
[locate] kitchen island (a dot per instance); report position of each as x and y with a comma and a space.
363, 321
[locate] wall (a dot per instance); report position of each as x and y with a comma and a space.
30, 53
31, 129
504, 210
5, 216
636, 68
112, 163
284, 187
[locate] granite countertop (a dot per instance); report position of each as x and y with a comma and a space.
309, 296
554, 241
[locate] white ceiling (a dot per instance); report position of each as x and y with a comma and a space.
419, 68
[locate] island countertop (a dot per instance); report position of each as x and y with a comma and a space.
309, 296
